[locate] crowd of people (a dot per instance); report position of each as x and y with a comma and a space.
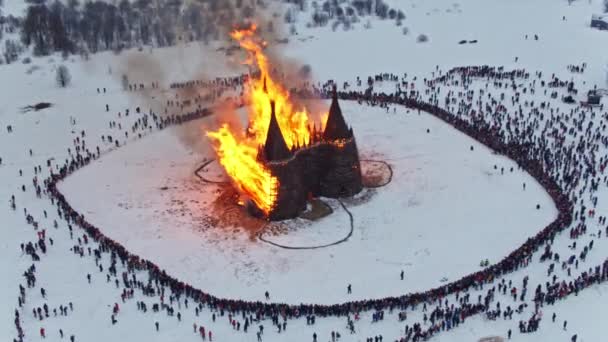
555, 165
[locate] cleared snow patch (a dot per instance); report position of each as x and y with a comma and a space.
442, 197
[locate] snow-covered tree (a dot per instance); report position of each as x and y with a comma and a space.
12, 49
381, 9
63, 76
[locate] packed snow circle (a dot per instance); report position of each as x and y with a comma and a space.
369, 232
495, 131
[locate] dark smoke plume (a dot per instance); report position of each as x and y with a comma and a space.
221, 17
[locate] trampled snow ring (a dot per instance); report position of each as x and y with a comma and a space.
350, 214
344, 239
203, 166
505, 266
390, 173
260, 235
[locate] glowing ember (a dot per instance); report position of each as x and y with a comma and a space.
238, 152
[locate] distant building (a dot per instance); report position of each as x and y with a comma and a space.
599, 21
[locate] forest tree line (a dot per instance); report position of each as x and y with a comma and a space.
73, 26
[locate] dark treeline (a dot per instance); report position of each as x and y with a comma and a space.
89, 26
349, 12
73, 26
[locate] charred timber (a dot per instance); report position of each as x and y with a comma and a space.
328, 166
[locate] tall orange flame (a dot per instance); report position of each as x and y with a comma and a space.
237, 152
240, 162
293, 123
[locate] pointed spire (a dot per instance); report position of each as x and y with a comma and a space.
336, 127
275, 147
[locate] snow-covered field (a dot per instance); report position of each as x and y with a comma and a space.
445, 210
402, 226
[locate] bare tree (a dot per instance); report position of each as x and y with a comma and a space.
12, 49
125, 82
63, 76
290, 17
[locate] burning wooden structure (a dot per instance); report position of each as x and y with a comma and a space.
282, 158
327, 166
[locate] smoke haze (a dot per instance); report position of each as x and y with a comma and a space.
205, 62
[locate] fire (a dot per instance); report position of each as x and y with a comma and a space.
236, 151
240, 162
293, 123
